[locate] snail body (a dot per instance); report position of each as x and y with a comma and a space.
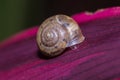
57, 33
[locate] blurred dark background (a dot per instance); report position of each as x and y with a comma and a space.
16, 15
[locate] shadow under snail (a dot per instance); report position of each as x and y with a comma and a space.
57, 33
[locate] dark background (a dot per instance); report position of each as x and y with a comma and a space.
16, 15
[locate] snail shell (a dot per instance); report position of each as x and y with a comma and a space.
56, 33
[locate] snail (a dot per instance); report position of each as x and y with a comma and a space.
57, 33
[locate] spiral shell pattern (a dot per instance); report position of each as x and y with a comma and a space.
52, 37
56, 33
